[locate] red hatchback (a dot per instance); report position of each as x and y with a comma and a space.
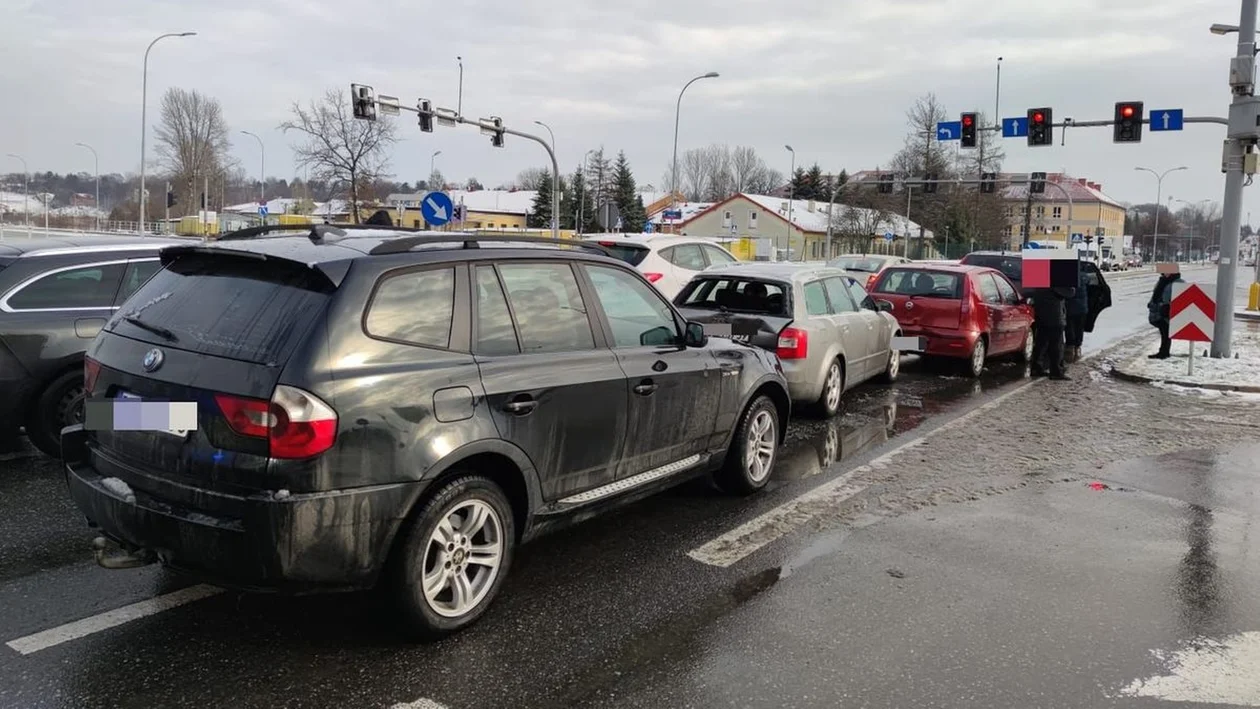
970, 313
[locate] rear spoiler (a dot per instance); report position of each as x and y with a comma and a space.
333, 272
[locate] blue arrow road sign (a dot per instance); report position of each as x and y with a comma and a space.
1078, 238
1015, 127
262, 210
949, 130
888, 236
437, 208
1166, 119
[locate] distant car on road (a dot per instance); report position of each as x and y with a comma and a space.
869, 265
971, 313
826, 330
364, 406
55, 295
667, 261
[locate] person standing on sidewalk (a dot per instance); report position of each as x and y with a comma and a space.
1158, 311
1077, 311
1049, 321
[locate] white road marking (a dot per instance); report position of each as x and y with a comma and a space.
420, 703
110, 619
1207, 672
747, 538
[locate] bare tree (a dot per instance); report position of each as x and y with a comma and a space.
922, 153
192, 142
528, 178
339, 148
987, 156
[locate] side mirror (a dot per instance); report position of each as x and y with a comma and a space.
883, 306
694, 335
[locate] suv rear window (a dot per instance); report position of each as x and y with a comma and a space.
745, 295
256, 311
1011, 266
932, 284
632, 254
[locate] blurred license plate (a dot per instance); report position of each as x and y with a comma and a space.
129, 412
717, 329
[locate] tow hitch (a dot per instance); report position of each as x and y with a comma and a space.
123, 558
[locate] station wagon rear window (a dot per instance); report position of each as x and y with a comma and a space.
632, 254
744, 295
255, 311
858, 263
929, 284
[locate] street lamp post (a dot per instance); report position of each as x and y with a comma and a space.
581, 198
1159, 198
96, 165
262, 169
26, 191
1197, 206
791, 199
459, 102
433, 167
144, 105
555, 183
673, 187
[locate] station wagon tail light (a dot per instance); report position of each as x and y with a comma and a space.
870, 281
91, 370
295, 423
653, 277
793, 344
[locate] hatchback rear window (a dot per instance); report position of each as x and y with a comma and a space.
934, 284
256, 311
632, 254
745, 295
858, 263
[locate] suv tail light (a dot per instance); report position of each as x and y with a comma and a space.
295, 423
653, 277
793, 344
91, 370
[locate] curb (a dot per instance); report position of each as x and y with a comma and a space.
1247, 315
1141, 379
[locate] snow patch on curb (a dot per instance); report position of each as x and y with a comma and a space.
1241, 372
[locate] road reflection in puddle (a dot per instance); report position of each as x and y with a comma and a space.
874, 414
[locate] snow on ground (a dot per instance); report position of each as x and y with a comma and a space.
1206, 393
1243, 370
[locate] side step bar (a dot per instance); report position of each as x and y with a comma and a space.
631, 482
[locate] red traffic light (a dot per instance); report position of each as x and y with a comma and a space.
1039, 117
1126, 111
968, 119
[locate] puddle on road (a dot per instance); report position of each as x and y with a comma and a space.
874, 414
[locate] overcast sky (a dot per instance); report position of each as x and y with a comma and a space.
831, 77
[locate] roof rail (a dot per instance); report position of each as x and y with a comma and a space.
318, 232
472, 241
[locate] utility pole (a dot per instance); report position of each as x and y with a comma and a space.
905, 252
166, 197
1242, 133
1028, 217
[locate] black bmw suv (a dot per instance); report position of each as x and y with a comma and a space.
409, 407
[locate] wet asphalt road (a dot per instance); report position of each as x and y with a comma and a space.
587, 614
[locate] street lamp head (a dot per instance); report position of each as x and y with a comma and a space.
789, 148
185, 34
1222, 29
711, 75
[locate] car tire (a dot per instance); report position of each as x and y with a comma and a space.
828, 404
893, 368
974, 365
1025, 353
754, 449
58, 406
435, 544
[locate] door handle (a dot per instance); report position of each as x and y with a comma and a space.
520, 407
645, 387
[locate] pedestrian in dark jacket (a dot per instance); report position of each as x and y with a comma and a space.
1049, 321
1077, 310
1158, 312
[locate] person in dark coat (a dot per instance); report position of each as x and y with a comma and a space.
1077, 310
380, 218
1049, 322
1158, 312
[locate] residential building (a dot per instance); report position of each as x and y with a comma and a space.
797, 229
1089, 209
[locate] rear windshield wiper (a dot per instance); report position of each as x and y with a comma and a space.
155, 329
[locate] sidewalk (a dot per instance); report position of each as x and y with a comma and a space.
1241, 374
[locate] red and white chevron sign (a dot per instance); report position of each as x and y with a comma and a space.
1192, 314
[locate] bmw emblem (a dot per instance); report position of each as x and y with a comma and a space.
152, 359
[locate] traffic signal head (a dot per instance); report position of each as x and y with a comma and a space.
170, 199
424, 110
988, 182
929, 183
364, 101
1128, 122
885, 184
1037, 183
1040, 126
493, 126
968, 135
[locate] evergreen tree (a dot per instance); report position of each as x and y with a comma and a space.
626, 197
799, 183
599, 176
582, 202
539, 216
814, 183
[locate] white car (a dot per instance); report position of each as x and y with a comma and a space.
667, 261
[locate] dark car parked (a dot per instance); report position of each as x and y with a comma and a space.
55, 295
401, 407
1011, 264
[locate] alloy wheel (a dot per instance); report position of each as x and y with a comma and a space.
759, 450
834, 387
462, 558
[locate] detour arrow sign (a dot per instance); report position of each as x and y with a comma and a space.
1192, 314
